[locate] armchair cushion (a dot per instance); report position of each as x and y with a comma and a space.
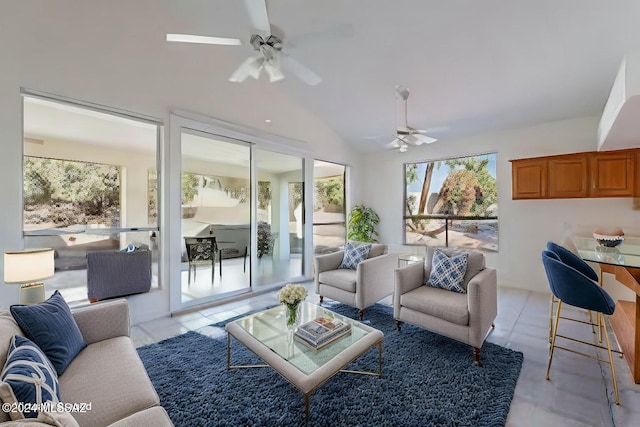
440, 303
448, 273
342, 279
354, 255
475, 262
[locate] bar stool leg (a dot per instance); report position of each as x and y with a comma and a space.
553, 340
553, 300
613, 371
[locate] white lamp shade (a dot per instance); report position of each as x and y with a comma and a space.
28, 266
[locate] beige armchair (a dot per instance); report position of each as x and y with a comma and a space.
360, 288
466, 317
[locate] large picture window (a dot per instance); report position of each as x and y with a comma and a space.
85, 176
452, 202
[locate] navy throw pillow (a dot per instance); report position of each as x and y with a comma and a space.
52, 327
28, 376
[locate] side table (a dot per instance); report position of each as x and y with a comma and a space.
406, 259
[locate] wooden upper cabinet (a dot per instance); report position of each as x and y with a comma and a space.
568, 176
590, 174
529, 179
612, 174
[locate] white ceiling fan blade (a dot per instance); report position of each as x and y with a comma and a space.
188, 38
258, 15
303, 72
423, 139
396, 143
250, 67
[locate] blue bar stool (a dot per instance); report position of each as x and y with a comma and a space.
576, 289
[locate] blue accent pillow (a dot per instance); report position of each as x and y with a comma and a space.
52, 327
28, 377
448, 273
354, 255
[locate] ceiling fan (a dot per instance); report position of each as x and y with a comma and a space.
406, 135
268, 56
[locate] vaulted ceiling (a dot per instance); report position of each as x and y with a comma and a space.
472, 66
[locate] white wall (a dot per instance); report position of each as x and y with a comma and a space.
524, 225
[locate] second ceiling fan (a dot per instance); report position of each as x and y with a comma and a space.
405, 134
268, 56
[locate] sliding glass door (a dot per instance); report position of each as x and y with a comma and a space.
280, 218
329, 214
215, 216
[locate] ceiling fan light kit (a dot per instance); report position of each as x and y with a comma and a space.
269, 54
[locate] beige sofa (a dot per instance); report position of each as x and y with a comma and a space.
108, 373
360, 288
464, 317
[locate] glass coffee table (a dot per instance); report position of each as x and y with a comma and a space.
265, 333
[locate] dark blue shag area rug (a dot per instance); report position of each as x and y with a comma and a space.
427, 380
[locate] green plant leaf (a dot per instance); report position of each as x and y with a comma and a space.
362, 224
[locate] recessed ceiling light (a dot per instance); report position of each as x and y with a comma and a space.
267, 120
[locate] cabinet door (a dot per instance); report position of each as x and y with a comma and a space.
529, 179
612, 175
568, 176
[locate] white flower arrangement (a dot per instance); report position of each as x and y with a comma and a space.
292, 294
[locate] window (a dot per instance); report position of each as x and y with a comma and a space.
452, 202
87, 186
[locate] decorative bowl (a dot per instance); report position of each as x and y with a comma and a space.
608, 240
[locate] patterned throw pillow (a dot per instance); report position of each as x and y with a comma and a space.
448, 273
28, 377
354, 255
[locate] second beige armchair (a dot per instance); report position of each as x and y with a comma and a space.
466, 317
370, 282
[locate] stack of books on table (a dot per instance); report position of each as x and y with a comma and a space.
321, 332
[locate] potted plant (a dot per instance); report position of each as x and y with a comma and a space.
362, 224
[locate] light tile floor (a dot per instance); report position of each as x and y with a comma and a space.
579, 393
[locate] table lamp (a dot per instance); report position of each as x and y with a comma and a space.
27, 267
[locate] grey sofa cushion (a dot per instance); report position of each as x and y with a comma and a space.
8, 328
343, 279
440, 303
152, 417
111, 376
46, 419
475, 262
